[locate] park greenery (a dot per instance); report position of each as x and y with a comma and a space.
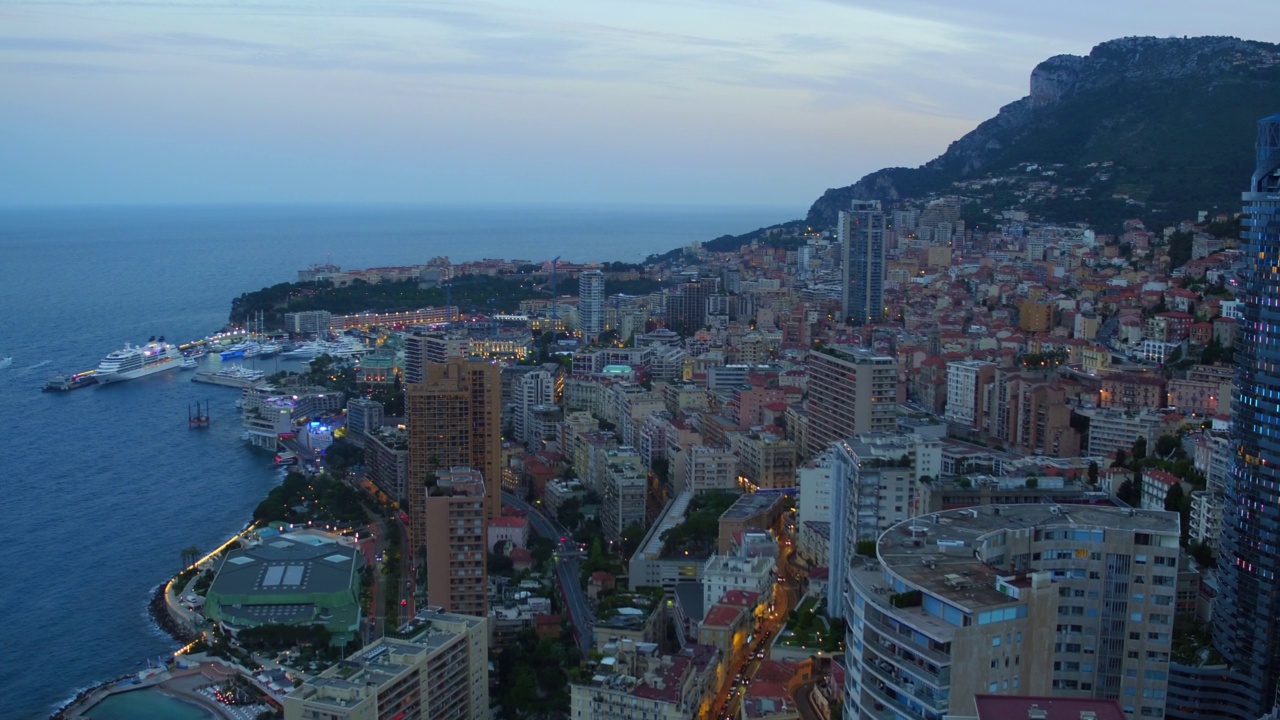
470, 293
319, 500
698, 534
807, 628
532, 677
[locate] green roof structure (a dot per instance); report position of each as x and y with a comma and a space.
295, 579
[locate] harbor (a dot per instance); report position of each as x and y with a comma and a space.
155, 356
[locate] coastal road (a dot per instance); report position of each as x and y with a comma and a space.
568, 571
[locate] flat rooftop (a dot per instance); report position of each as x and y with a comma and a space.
935, 552
750, 504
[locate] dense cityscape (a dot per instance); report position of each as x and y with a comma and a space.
941, 460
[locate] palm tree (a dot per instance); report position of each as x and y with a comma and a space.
190, 555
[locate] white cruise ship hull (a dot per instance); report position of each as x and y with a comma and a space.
107, 378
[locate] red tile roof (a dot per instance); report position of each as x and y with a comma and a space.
741, 598
721, 616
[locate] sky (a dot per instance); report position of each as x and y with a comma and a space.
717, 102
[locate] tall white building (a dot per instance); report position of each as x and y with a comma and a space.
967, 380
591, 304
874, 485
625, 483
530, 391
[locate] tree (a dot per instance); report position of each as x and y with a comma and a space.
569, 514
632, 535
1093, 472
1122, 459
1173, 499
1167, 445
1139, 449
1130, 492
1032, 482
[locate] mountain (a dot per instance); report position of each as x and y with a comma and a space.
1172, 121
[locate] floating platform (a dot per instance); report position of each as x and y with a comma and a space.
67, 383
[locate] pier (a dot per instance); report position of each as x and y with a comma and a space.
84, 378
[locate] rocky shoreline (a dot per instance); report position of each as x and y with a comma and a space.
159, 608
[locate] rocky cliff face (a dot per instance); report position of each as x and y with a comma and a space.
1056, 83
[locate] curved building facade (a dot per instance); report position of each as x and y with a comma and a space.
1069, 601
1246, 621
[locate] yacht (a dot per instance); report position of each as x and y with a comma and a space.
190, 363
235, 351
240, 372
138, 361
305, 350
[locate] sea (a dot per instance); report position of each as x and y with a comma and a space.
104, 487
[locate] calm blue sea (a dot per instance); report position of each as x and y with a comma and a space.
103, 487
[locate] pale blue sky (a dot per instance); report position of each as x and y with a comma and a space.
616, 101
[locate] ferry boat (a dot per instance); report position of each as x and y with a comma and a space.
138, 361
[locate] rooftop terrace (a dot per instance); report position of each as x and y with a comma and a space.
937, 552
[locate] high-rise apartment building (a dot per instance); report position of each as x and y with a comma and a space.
1071, 601
364, 416
968, 385
441, 672
591, 304
623, 490
1246, 613
456, 542
454, 419
861, 231
421, 349
529, 391
687, 305
851, 391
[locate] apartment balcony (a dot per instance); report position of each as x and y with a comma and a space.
895, 679
877, 647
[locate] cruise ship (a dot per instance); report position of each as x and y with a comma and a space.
138, 361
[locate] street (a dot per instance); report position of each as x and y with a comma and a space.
786, 595
567, 571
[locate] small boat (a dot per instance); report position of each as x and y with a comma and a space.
189, 363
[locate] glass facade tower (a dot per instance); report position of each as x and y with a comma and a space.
861, 233
1246, 618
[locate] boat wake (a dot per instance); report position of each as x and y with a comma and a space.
40, 364
5, 362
